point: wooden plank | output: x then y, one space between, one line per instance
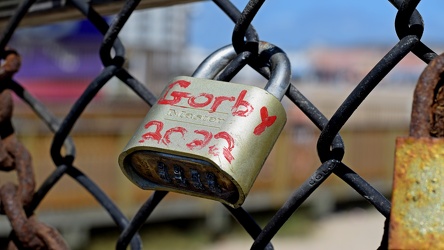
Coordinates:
52 11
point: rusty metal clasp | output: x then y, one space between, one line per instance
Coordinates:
28 232
416 220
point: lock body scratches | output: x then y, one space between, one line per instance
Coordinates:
204 138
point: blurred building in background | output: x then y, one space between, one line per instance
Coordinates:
155 41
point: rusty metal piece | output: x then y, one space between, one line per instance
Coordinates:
11 64
428 102
416 219
24 231
437 129
25 172
13 155
50 236
28 232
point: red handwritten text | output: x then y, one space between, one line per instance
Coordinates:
153 135
240 107
177 96
267 121
199 144
226 150
194 144
166 138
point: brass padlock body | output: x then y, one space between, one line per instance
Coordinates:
204 138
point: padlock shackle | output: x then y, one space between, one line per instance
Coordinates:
424 98
274 57
215 63
280 69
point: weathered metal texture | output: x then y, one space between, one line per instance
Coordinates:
428 102
28 232
417 217
205 138
437 128
210 138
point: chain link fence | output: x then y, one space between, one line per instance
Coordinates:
19 202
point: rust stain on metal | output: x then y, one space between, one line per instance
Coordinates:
13 155
29 232
417 215
428 102
437 123
24 231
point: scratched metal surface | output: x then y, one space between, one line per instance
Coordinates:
218 132
416 218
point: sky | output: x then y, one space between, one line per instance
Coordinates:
294 25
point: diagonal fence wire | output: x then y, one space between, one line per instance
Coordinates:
408 26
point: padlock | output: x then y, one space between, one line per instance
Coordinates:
210 138
417 214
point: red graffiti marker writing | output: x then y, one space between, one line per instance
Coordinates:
218 101
199 144
194 104
241 107
166 138
153 135
267 121
226 150
177 95
194 144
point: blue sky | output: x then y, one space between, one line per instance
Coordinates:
300 24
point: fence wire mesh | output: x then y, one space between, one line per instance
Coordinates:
330 147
